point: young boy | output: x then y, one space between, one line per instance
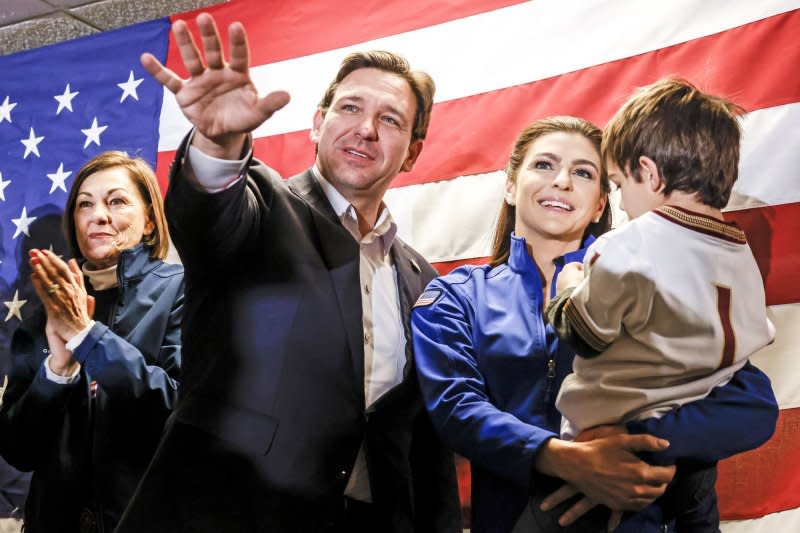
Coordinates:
672 303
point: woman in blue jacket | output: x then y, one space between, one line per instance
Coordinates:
490 368
87 399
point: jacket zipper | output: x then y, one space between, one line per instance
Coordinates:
551 376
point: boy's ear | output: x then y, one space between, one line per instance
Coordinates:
648 170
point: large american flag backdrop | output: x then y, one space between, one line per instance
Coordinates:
498 65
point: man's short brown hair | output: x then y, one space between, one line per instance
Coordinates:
692 136
421 83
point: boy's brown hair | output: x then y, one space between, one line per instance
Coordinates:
692 136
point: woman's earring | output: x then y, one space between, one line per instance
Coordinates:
510 198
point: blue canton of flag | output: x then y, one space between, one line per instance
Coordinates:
59 106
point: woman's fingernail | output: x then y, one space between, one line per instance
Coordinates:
35 260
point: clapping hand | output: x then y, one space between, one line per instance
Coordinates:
69 308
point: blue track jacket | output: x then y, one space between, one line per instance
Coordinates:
490 371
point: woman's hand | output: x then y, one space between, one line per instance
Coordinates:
60 288
61 361
605 469
567 490
570 276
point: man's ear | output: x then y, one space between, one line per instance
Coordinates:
319 117
414 149
648 170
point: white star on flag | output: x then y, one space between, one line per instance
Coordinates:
65 100
93 133
129 88
14 307
58 178
3 185
52 251
22 223
32 144
5 110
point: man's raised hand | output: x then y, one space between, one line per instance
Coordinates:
219 98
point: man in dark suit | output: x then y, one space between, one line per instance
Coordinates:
298 409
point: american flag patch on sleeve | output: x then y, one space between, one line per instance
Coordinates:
428 297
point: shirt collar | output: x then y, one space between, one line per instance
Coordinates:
385 228
520 261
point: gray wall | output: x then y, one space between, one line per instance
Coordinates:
26 24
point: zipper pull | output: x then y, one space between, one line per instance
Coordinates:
551 374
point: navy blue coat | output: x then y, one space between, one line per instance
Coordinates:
88 453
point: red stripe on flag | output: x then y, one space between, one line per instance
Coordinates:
772 234
293 29
494 119
765 480
163 162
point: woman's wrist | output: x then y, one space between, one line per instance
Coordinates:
73 341
555 457
63 368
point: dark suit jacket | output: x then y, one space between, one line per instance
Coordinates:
273 377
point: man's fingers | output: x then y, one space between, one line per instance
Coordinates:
162 74
583 506
187 48
562 494
90 306
273 102
240 50
212 44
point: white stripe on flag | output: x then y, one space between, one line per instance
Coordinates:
462 55
454 219
779 359
783 522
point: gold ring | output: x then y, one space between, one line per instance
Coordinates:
53 288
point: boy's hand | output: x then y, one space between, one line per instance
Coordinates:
571 276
